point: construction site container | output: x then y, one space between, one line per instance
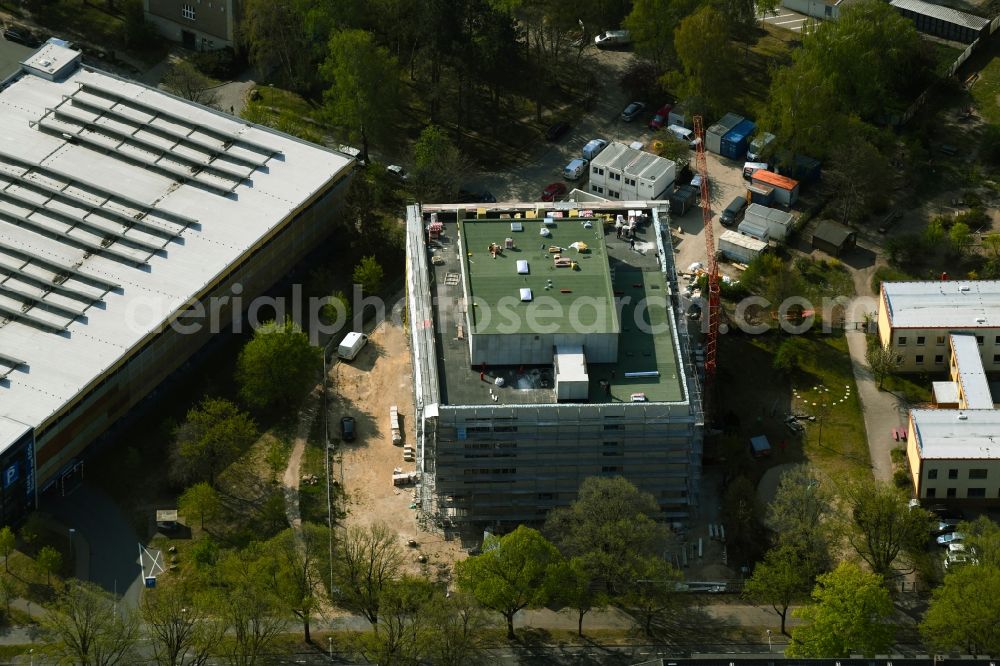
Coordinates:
736 140
714 134
760 194
759 146
737 247
679 116
786 190
754 229
683 199
778 222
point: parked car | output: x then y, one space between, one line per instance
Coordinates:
612 38
732 213
594 148
553 191
347 428
945 513
555 131
467 196
952 559
660 119
950 538
397 171
632 111
575 169
20 37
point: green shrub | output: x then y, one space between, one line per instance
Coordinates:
887 274
901 477
898 455
205 552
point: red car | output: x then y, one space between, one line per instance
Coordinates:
553 191
660 119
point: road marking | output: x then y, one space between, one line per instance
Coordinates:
791 21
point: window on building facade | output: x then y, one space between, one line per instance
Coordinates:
901 341
996 358
979 339
977 473
932 473
939 359
940 340
932 492
952 473
976 492
920 359
187 11
920 340
951 492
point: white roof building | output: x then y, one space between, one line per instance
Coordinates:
625 173
119 206
943 303
968 374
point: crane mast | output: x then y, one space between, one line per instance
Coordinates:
712 265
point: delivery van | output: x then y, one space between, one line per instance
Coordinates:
682 133
351 345
575 169
593 148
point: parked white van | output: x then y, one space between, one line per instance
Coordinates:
351 345
682 133
593 148
575 169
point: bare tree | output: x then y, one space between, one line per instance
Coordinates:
85 626
185 80
883 361
249 605
299 556
367 559
179 627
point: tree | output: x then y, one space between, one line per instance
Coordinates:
86 626
742 516
179 626
402 634
50 561
438 166
609 525
212 436
706 56
883 361
983 535
200 500
798 109
882 526
991 241
800 515
851 613
959 237
278 366
572 581
791 354
336 310
457 625
652 591
367 559
364 90
854 177
184 79
7 543
248 605
511 574
779 580
369 274
674 149
299 556
652 24
962 615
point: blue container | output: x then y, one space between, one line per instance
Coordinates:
735 142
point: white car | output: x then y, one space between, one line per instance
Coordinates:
950 538
397 171
612 38
957 559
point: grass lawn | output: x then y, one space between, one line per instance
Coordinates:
914 388
986 89
761 397
824 278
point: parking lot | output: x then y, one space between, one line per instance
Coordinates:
789 20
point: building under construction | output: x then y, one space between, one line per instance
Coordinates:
548 348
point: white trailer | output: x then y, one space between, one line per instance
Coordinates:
777 222
737 247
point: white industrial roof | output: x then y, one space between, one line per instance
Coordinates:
634 162
764 213
945 393
952 434
571 364
971 374
943 304
946 14
102 238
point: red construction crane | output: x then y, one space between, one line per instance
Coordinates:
712 266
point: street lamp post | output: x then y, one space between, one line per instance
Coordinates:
72 548
330 639
769 640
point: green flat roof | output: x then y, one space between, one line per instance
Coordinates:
642 348
578 300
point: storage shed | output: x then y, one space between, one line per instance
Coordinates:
833 238
777 222
786 190
941 21
679 116
754 229
737 140
683 199
714 134
738 247
760 194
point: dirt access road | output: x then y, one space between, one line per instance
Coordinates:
365 388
